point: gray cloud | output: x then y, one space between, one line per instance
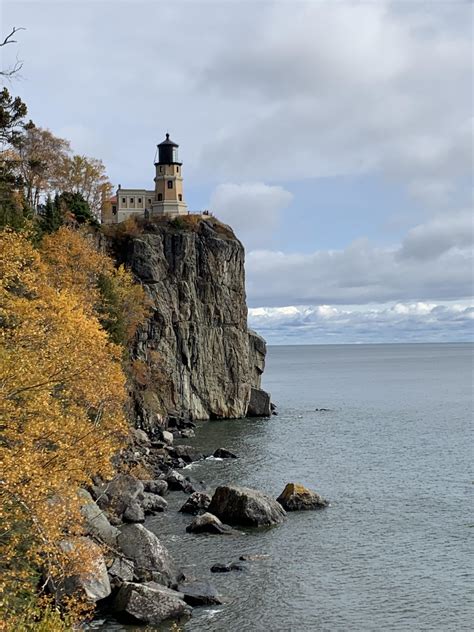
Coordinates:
253 209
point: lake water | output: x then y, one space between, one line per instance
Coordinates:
393 454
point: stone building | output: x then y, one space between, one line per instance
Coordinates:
166 198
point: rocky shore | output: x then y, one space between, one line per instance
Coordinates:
136 579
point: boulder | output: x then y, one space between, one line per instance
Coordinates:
95 521
187 433
186 453
222 453
167 437
197 503
200 594
125 492
134 512
245 506
152 503
177 481
151 559
259 403
149 603
94 583
140 436
158 486
121 570
296 497
207 523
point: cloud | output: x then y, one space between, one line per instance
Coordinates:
253 209
401 322
434 262
344 88
439 235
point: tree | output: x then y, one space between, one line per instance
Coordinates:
62 396
50 214
17 66
87 176
75 205
40 155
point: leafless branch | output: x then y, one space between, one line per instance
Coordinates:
18 65
8 39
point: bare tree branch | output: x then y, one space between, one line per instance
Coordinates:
18 65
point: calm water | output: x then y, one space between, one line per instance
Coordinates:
393 455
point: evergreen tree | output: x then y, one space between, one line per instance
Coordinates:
75 204
51 215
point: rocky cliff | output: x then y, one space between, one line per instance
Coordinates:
195 356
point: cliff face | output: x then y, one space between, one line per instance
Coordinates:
195 356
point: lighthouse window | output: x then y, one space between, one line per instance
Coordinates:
170 184
139 200
149 200
161 169
160 197
132 201
177 169
180 197
124 201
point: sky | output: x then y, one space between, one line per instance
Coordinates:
335 137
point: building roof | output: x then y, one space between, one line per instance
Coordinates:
168 141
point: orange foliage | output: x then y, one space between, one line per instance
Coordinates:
62 396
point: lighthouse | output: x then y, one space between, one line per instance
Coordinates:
169 197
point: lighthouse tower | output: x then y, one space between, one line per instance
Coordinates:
169 198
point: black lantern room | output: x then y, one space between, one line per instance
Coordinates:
168 152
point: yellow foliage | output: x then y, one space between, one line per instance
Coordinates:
62 396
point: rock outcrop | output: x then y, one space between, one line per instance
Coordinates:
246 507
195 355
149 603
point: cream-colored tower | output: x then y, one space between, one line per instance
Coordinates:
169 197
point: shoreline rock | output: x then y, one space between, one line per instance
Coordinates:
296 497
245 506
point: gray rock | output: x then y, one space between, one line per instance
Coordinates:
187 433
207 523
185 452
167 437
151 559
259 404
134 512
149 603
206 359
296 497
222 453
95 521
124 492
177 481
197 503
140 436
93 584
245 506
158 486
152 503
200 594
121 569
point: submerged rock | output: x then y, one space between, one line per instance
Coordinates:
226 568
200 594
296 497
152 560
207 523
149 603
245 506
222 453
197 503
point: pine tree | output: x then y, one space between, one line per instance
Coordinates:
51 215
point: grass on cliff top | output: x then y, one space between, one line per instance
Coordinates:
134 226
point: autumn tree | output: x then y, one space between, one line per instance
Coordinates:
87 177
62 392
40 155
